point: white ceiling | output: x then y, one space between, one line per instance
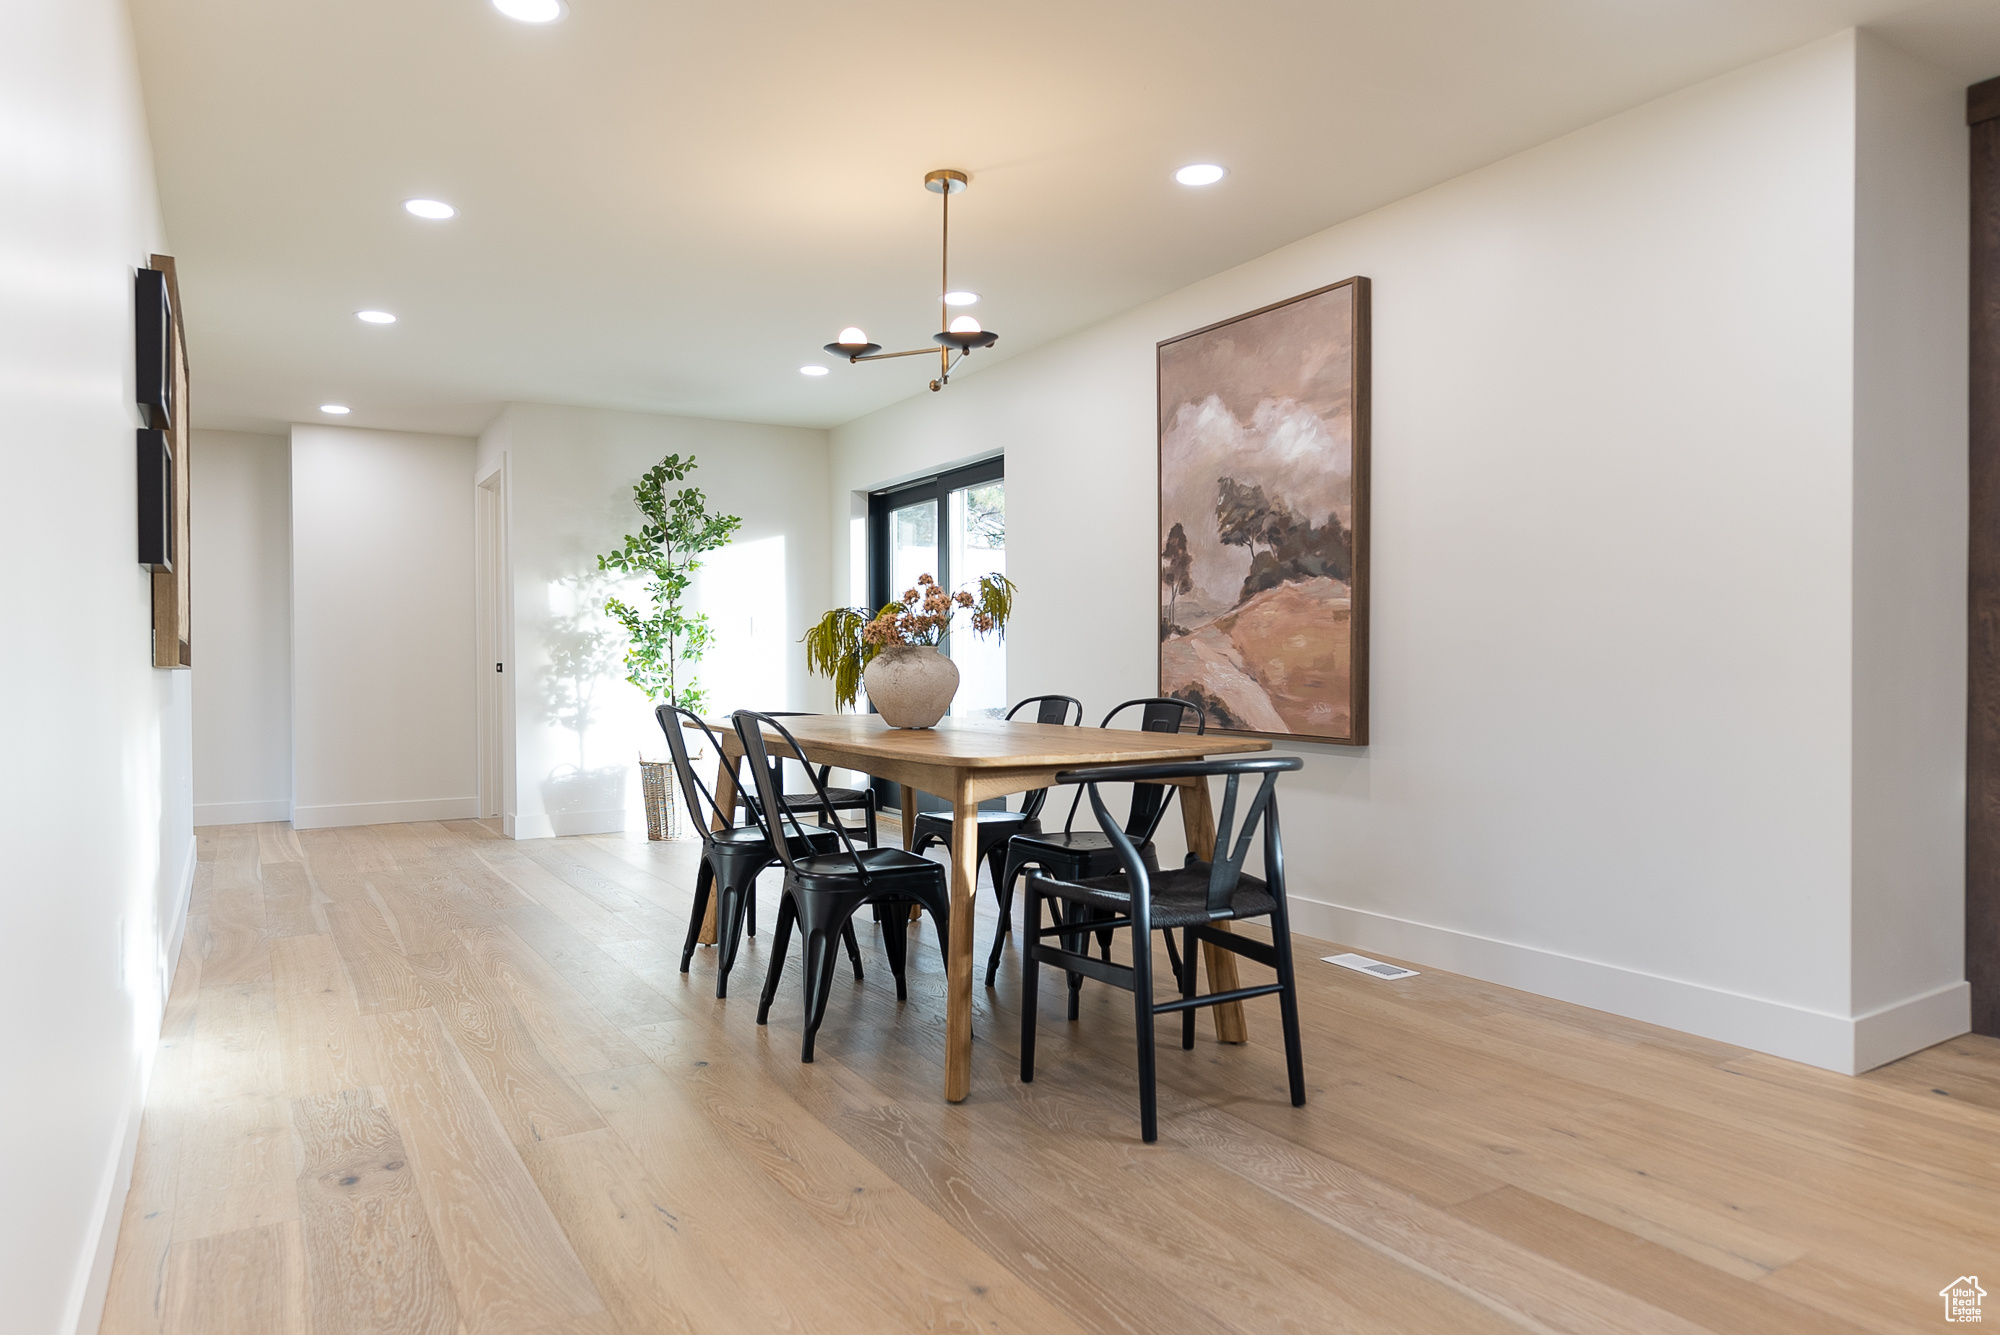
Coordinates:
670 206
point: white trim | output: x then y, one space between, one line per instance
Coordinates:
1847 1044
553 825
96 1279
385 813
242 813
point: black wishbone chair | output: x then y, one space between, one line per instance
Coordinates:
1076 855
1147 900
823 890
731 857
997 827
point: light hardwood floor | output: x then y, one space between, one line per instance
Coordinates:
419 1079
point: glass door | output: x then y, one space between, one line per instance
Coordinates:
953 527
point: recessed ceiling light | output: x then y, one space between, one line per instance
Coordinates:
812 370
375 317
1201 173
532 11
435 209
337 409
961 298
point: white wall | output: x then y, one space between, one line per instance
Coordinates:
382 621
578 725
1631 681
1910 514
242 605
94 797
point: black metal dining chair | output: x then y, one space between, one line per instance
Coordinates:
997 827
1075 855
824 801
823 890
1141 897
731 857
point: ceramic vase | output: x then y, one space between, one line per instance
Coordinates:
911 685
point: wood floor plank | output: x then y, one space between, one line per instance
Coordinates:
250 1282
236 1157
373 1260
1704 1295
580 1036
325 1048
385 979
511 1267
593 1144
602 981
523 1084
652 1277
136 1300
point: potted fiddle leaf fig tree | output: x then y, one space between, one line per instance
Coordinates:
667 641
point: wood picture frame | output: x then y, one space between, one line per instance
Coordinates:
172 587
1262 427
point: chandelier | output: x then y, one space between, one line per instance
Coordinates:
960 335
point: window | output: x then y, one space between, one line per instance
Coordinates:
952 526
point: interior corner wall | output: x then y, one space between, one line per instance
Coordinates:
1910 541
577 725
382 627
1614 543
243 617
95 799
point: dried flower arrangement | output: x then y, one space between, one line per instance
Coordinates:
847 638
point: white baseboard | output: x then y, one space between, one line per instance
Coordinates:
544 825
242 813
95 1282
1847 1044
384 813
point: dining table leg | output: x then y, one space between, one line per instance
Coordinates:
907 816
725 806
1198 819
958 948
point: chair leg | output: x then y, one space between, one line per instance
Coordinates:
704 878
1031 978
1003 888
1142 1002
1184 968
1288 1004
869 824
781 940
895 943
821 946
1173 956
853 949
750 912
731 907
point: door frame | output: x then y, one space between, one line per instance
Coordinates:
490 635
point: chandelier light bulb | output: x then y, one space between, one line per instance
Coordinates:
852 337
965 324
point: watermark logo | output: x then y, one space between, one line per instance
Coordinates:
1961 1298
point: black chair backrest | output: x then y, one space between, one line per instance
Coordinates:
1225 869
702 807
771 812
1149 801
1063 710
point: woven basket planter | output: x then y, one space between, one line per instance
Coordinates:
664 817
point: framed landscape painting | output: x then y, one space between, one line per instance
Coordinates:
1264 518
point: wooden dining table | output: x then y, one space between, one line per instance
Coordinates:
966 762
